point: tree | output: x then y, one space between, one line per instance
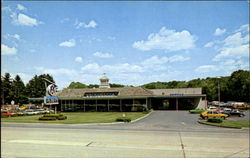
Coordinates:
113 85
18 91
36 86
77 85
239 86
6 86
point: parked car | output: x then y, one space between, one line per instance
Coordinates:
9 113
20 113
212 108
30 112
41 111
207 114
235 112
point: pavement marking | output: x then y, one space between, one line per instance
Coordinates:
48 142
182 146
183 123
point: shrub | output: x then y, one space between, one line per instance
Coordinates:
146 112
62 117
196 111
215 120
47 118
123 119
53 117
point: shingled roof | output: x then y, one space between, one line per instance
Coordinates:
125 91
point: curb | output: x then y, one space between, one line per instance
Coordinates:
201 122
142 117
85 124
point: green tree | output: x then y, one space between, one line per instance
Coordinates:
6 85
77 85
18 91
113 85
239 86
36 86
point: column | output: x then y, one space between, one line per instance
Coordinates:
120 105
84 106
176 104
96 105
108 104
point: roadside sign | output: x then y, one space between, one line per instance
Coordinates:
49 100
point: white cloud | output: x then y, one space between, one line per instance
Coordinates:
219 32
209 44
78 59
114 69
176 58
22 19
7 50
155 60
206 68
91 24
243 28
236 40
70 43
103 55
233 52
168 40
20 7
15 36
226 66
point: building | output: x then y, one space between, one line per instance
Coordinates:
105 98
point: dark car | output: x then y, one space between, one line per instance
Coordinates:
235 112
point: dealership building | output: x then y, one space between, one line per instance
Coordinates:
105 98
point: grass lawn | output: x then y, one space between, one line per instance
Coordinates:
78 117
227 123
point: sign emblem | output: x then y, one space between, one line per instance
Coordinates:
51 89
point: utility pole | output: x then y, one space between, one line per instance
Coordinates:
219 89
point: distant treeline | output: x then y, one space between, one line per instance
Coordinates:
232 88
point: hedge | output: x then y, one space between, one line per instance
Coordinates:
215 120
123 119
47 118
53 117
196 111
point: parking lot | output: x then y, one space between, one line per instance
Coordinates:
162 134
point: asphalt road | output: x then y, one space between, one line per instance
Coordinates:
180 121
160 135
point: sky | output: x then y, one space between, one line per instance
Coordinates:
133 42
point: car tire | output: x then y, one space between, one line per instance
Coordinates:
206 118
223 117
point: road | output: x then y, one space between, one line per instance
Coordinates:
161 134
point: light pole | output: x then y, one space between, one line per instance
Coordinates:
219 89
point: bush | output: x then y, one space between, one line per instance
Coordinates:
53 117
47 118
215 120
62 117
196 111
146 112
123 119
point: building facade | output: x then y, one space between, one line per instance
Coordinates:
105 98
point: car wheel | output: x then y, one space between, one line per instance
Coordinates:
223 118
206 118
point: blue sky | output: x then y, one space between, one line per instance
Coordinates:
132 42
